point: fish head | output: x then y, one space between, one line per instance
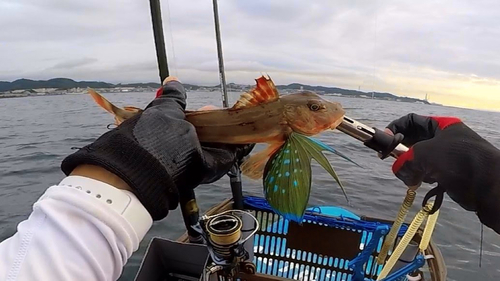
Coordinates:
309 114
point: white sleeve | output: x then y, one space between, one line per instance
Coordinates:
81 229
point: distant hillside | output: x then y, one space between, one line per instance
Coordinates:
136 85
65 83
61 83
328 90
345 92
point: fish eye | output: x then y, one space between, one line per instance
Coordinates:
314 106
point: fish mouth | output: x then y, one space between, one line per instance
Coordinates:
337 122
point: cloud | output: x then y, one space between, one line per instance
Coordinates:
74 63
449 47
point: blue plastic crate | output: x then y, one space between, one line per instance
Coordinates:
286 249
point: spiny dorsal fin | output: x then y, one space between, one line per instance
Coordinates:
264 92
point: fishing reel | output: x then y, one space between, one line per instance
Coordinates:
224 238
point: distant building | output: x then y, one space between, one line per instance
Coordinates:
45 90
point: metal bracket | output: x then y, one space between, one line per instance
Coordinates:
373 138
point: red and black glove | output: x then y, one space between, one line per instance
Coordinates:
445 151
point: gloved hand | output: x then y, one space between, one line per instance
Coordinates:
446 151
157 153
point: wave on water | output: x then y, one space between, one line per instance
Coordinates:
33 171
32 147
80 140
26 146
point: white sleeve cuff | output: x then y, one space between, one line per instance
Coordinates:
122 201
81 229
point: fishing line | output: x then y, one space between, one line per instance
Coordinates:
170 36
374 49
481 247
257 225
375 46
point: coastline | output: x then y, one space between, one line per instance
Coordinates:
80 91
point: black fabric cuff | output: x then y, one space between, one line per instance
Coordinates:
118 152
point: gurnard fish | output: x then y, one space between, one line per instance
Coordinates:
284 122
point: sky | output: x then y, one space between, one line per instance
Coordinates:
447 49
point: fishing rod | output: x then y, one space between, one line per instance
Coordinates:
187 199
222 74
235 173
161 53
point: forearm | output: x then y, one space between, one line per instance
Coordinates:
75 235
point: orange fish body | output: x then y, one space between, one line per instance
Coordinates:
259 116
262 123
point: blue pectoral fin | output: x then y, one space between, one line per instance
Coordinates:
333 150
287 175
287 180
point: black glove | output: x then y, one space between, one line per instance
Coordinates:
157 153
446 151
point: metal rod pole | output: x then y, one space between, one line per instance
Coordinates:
161 54
189 207
235 173
225 102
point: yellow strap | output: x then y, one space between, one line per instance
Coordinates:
391 236
428 230
412 229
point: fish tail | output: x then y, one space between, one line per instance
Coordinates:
119 113
103 102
